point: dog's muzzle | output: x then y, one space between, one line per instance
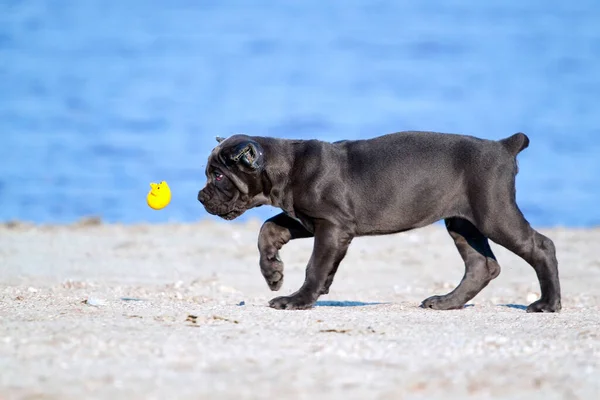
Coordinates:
203 197
224 211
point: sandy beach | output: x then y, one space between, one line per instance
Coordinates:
179 311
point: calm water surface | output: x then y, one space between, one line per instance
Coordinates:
98 98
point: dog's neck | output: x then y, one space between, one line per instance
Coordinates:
280 157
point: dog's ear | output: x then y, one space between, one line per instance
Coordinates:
250 154
220 139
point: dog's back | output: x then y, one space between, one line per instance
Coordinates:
410 179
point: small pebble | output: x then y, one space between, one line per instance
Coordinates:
94 302
531 297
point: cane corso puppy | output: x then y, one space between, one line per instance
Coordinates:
337 191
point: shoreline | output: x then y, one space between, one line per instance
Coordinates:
95 221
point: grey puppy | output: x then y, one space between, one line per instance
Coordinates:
337 191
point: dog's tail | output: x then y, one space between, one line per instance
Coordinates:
515 143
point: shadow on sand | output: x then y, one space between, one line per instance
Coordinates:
333 303
517 306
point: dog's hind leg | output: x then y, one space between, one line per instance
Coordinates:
497 215
510 229
274 233
480 265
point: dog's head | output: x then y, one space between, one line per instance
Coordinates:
234 173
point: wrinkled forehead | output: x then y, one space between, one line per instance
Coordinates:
214 154
213 157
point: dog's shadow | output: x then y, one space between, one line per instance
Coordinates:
516 306
348 303
335 303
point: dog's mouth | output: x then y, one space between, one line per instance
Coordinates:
233 214
226 211
222 212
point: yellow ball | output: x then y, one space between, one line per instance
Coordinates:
159 196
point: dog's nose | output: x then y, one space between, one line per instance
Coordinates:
202 196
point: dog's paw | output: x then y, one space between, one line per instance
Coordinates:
441 303
544 306
294 302
274 280
272 271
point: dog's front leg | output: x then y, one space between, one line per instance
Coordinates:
274 233
331 244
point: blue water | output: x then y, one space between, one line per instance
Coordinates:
98 97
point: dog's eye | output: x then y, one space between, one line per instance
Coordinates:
218 176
